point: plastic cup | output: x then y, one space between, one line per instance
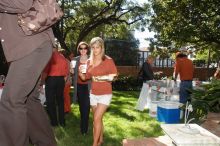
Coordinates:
83 68
73 63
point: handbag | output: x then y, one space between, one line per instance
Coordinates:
42 15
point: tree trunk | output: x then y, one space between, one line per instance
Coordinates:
208 63
59 36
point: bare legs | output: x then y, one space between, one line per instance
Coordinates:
98 112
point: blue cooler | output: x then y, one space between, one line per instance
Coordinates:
168 112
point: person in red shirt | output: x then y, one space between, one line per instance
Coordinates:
102 70
68 83
81 88
184 67
56 72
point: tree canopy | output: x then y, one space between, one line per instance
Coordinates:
184 22
86 18
123 51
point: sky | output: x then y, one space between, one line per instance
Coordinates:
143 35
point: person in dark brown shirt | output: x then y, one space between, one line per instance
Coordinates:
23 118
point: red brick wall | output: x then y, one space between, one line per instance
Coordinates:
201 73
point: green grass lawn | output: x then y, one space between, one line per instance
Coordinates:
120 121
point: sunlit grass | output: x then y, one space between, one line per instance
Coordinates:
121 121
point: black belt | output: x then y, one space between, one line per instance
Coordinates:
187 80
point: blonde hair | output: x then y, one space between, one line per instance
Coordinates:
100 42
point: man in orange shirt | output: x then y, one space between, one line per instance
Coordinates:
184 67
56 71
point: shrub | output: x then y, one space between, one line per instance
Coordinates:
206 99
126 83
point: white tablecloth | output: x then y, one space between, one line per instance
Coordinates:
157 90
143 100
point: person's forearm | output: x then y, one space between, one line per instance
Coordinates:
175 76
216 73
82 76
108 78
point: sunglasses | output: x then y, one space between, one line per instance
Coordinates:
83 48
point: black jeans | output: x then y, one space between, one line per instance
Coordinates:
54 98
84 106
